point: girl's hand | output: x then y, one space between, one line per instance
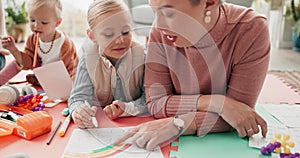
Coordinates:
115 109
82 116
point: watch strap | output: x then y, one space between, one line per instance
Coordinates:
179 128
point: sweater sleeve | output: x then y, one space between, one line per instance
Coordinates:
136 107
83 88
208 122
28 53
160 98
250 62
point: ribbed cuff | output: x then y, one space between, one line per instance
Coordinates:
72 106
180 104
129 110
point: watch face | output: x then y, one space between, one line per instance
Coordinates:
178 122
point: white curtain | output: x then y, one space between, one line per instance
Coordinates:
2 19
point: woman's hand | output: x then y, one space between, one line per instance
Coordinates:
243 118
82 115
239 115
115 109
151 134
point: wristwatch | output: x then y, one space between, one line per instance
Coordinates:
179 123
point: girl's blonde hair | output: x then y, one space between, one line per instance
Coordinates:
31 4
100 7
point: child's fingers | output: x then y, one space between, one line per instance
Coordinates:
94 110
116 111
79 123
120 104
82 116
7 40
114 108
107 110
84 111
116 102
77 120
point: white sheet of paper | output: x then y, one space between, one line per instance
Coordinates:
287 114
55 80
257 141
287 118
84 142
52 103
20 77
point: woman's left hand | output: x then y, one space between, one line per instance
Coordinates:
151 134
243 118
237 114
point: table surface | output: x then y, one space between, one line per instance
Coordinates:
274 91
228 144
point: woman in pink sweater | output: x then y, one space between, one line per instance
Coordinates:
206 64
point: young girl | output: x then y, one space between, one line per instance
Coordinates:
111 71
53 45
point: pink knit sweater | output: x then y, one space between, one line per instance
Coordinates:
231 60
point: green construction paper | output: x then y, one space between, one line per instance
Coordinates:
215 145
219 145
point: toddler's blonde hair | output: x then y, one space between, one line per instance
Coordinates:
100 7
32 4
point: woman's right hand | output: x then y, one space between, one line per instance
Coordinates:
82 115
150 135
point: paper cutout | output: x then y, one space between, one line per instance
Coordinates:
57 87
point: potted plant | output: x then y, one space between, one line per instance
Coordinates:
293 11
16 20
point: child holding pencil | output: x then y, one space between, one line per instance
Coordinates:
110 73
53 44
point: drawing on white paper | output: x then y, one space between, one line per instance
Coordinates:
97 142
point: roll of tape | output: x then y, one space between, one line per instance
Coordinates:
9 95
28 90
